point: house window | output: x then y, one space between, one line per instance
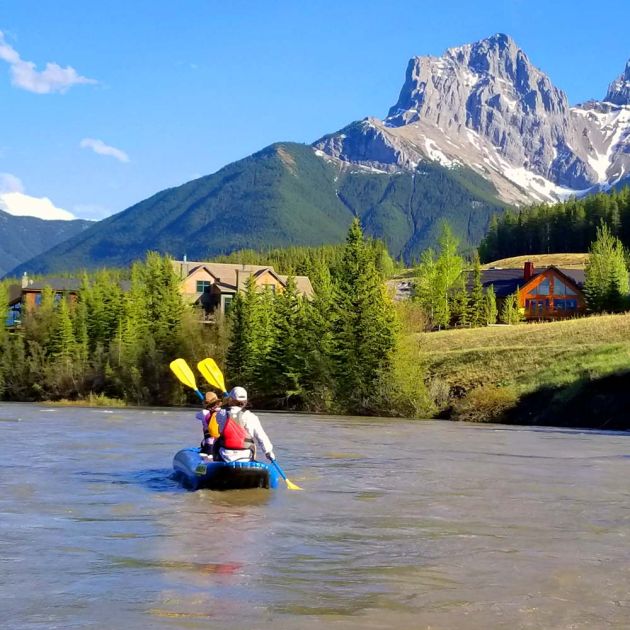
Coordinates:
202 284
542 288
13 315
560 288
227 304
38 299
269 287
58 296
565 305
536 307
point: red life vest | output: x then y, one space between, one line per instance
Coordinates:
235 437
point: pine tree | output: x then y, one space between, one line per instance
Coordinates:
319 315
248 338
460 304
4 305
490 306
510 312
62 341
286 359
365 325
477 298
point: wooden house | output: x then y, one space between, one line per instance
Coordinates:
212 286
546 294
28 295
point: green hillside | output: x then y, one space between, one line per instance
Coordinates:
284 195
22 238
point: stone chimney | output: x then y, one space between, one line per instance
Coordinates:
24 280
528 270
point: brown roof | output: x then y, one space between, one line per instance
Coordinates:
507 281
230 276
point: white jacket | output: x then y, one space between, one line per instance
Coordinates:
250 422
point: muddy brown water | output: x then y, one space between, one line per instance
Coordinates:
401 524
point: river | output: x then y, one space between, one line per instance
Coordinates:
401 524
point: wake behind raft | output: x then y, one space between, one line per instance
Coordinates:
194 471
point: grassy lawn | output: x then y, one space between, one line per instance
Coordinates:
575 261
529 356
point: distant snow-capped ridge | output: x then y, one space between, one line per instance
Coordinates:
22 205
485 106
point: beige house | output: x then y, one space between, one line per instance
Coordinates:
213 285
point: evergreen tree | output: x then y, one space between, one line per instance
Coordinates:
460 304
365 326
510 312
319 315
490 307
477 298
286 359
248 338
62 341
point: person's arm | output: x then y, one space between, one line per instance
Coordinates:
258 433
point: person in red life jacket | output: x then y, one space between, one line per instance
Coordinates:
239 431
207 417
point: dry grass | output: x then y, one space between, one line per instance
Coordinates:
567 261
528 356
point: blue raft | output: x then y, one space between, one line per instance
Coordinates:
195 471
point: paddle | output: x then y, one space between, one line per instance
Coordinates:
212 373
290 484
183 372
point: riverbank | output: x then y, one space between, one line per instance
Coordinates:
570 373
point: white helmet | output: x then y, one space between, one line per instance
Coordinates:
239 394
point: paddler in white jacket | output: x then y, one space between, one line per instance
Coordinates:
239 430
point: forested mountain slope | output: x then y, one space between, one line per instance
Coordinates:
284 195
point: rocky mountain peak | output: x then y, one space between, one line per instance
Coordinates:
484 105
619 90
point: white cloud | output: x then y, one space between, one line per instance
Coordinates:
15 201
25 75
98 146
20 205
10 183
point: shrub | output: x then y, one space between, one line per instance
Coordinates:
487 403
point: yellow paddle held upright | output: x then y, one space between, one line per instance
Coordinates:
212 373
182 371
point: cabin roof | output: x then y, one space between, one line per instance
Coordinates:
507 281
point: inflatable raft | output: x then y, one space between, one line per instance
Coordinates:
194 470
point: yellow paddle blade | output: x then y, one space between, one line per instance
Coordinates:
292 486
182 371
212 373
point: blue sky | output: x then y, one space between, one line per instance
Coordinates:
148 94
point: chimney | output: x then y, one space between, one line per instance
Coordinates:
528 270
25 280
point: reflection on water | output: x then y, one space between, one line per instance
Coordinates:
401 524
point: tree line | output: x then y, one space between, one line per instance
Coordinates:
570 226
303 260
337 352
